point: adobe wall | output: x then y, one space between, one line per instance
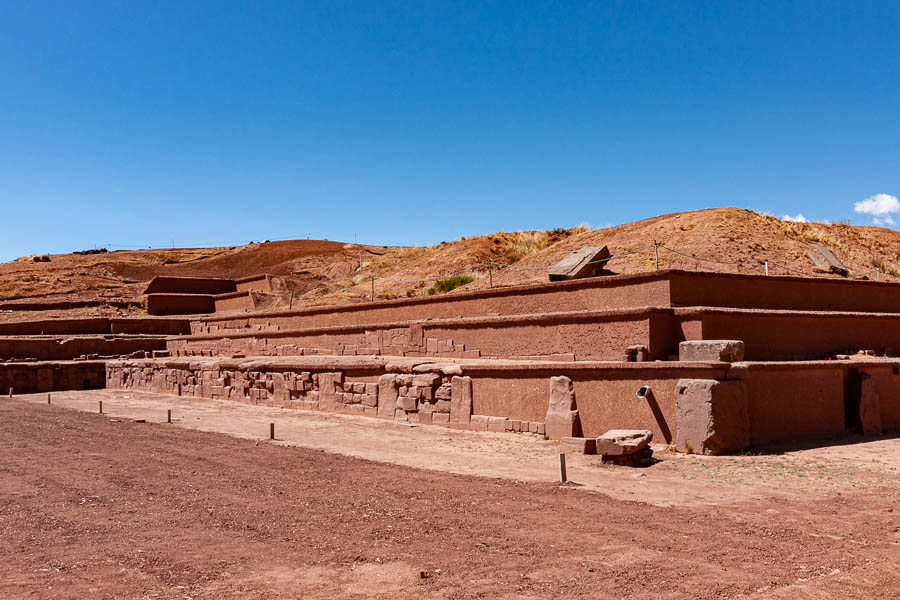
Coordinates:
260 283
36 377
150 326
55 326
771 335
691 288
612 292
235 301
599 335
97 326
190 285
67 348
179 304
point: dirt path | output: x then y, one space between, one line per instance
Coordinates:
98 506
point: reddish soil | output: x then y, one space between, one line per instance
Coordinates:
324 272
101 507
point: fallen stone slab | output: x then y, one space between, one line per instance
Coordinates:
622 442
711 351
826 261
585 262
578 445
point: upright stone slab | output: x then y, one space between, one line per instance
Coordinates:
460 400
585 262
712 416
562 416
387 396
870 407
327 390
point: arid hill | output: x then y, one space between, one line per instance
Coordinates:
323 272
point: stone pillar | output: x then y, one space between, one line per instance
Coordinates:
327 391
562 416
712 416
461 400
387 396
870 406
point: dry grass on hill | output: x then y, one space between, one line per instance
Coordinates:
324 272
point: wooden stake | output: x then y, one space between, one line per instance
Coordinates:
101 407
656 249
271 431
48 398
491 274
373 288
562 467
169 416
10 392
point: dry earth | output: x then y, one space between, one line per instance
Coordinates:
326 272
99 506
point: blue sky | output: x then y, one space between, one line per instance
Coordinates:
152 123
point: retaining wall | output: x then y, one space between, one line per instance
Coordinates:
67 348
35 377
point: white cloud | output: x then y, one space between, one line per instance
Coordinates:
878 205
798 218
883 221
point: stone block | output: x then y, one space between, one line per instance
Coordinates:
588 261
407 403
476 422
425 417
497 424
443 406
870 407
622 442
578 445
387 396
400 415
562 416
439 418
460 399
426 379
444 392
712 416
711 351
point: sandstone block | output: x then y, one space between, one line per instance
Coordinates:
621 442
711 351
387 396
497 424
476 422
712 416
425 417
870 407
444 392
584 262
443 406
440 418
579 445
426 380
562 416
460 399
407 403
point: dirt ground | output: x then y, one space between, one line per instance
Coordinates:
101 506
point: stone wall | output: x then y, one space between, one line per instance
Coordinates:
30 378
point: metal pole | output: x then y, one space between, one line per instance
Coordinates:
767 268
271 431
373 288
655 249
562 467
877 274
169 416
101 407
491 274
48 398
